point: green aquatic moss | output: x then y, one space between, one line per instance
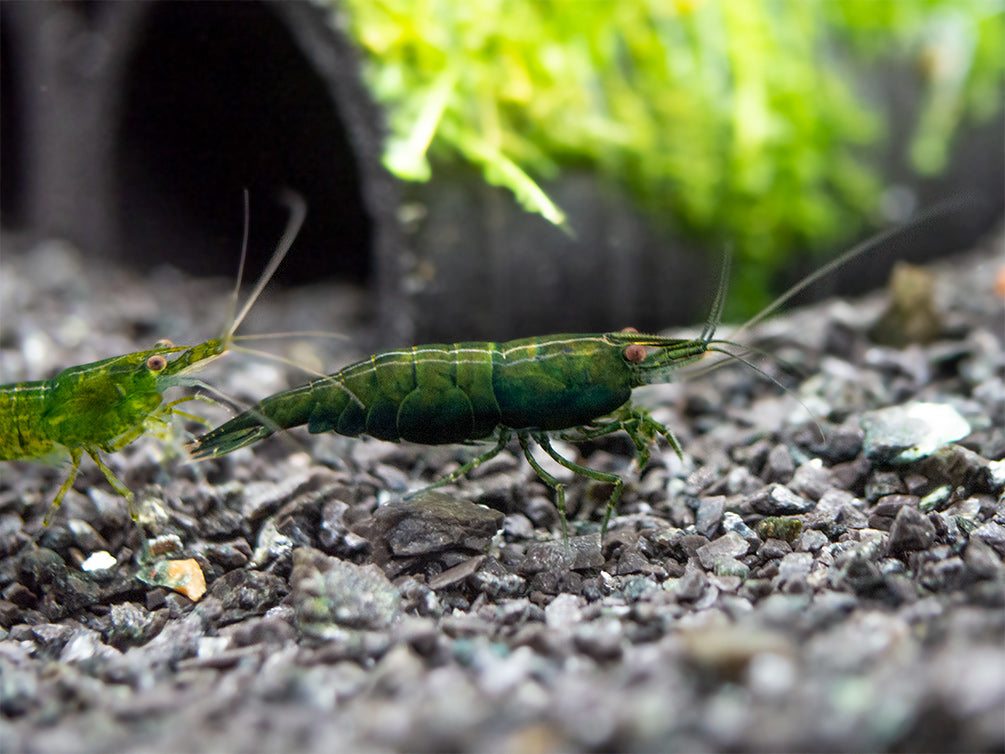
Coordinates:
756 123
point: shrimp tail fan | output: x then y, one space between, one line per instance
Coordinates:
237 433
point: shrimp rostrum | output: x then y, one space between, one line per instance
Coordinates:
104 406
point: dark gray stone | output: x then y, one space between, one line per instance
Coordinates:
778 500
779 465
729 545
811 480
578 553
911 531
709 516
331 596
431 523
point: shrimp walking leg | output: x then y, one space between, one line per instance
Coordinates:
638 424
599 476
474 463
548 479
75 457
169 408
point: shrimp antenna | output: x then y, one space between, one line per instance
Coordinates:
294 334
281 360
740 357
232 309
870 244
298 211
715 315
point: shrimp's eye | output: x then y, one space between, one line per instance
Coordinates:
635 353
156 363
163 343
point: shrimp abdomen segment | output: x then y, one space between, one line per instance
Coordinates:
432 394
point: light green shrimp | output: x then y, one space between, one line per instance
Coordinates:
104 406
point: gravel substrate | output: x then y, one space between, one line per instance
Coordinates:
778 589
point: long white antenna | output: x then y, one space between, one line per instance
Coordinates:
942 208
298 211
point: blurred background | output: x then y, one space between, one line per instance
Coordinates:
499 169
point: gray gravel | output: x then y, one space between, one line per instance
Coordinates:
778 589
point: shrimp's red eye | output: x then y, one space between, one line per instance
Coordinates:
635 353
156 363
163 343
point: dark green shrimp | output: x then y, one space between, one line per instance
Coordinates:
533 388
574 387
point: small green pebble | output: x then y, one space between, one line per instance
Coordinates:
779 527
